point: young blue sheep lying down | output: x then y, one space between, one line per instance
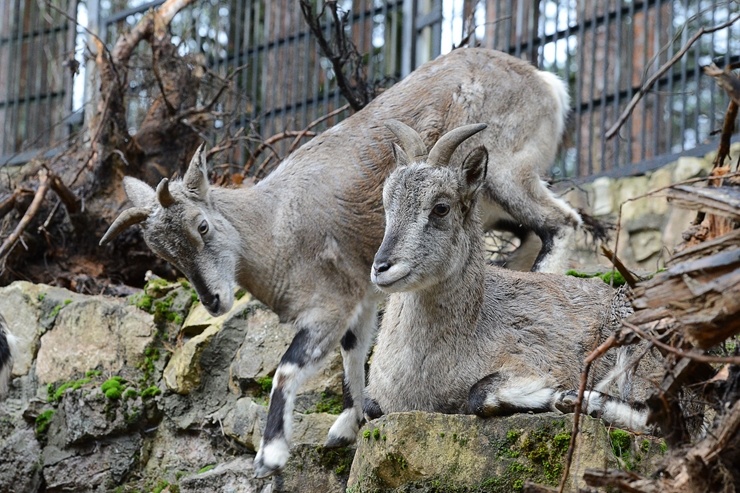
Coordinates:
461 336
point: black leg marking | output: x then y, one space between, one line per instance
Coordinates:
347 401
478 393
349 340
546 236
4 344
275 426
297 352
371 408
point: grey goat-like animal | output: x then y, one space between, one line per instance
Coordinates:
303 239
460 336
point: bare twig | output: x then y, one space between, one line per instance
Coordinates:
38 198
304 132
661 71
702 358
596 353
629 278
267 144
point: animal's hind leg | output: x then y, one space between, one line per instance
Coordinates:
313 341
615 411
528 201
498 394
354 344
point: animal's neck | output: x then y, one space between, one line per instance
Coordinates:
455 303
246 212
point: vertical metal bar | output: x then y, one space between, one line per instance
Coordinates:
579 92
591 96
28 70
645 100
496 42
711 113
671 73
630 76
698 78
14 81
657 111
616 161
508 30
606 89
684 111
408 57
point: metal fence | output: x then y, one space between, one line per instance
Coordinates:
37 66
603 49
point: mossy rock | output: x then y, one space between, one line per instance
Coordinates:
427 452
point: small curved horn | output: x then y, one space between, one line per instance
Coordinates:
127 218
411 142
446 145
163 193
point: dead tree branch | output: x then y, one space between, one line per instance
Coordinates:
346 61
648 85
31 212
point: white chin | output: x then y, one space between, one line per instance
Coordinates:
391 280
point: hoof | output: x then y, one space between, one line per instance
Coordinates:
566 403
263 471
337 442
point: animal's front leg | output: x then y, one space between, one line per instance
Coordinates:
304 355
355 344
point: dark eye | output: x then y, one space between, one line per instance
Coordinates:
203 227
440 210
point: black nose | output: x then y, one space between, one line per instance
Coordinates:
382 266
212 302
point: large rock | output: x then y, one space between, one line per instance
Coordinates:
92 333
245 423
258 357
20 464
98 466
236 476
87 414
30 310
172 452
425 452
313 468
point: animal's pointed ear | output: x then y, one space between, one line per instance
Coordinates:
474 169
196 177
139 193
402 159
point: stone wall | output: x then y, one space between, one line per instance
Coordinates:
650 226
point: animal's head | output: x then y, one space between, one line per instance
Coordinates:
180 224
428 207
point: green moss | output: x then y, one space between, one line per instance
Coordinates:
610 277
43 421
663 447
512 436
55 394
150 392
376 433
142 301
367 434
161 486
206 468
130 394
621 442
240 294
113 387
645 446
93 373
265 385
41 296
329 403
